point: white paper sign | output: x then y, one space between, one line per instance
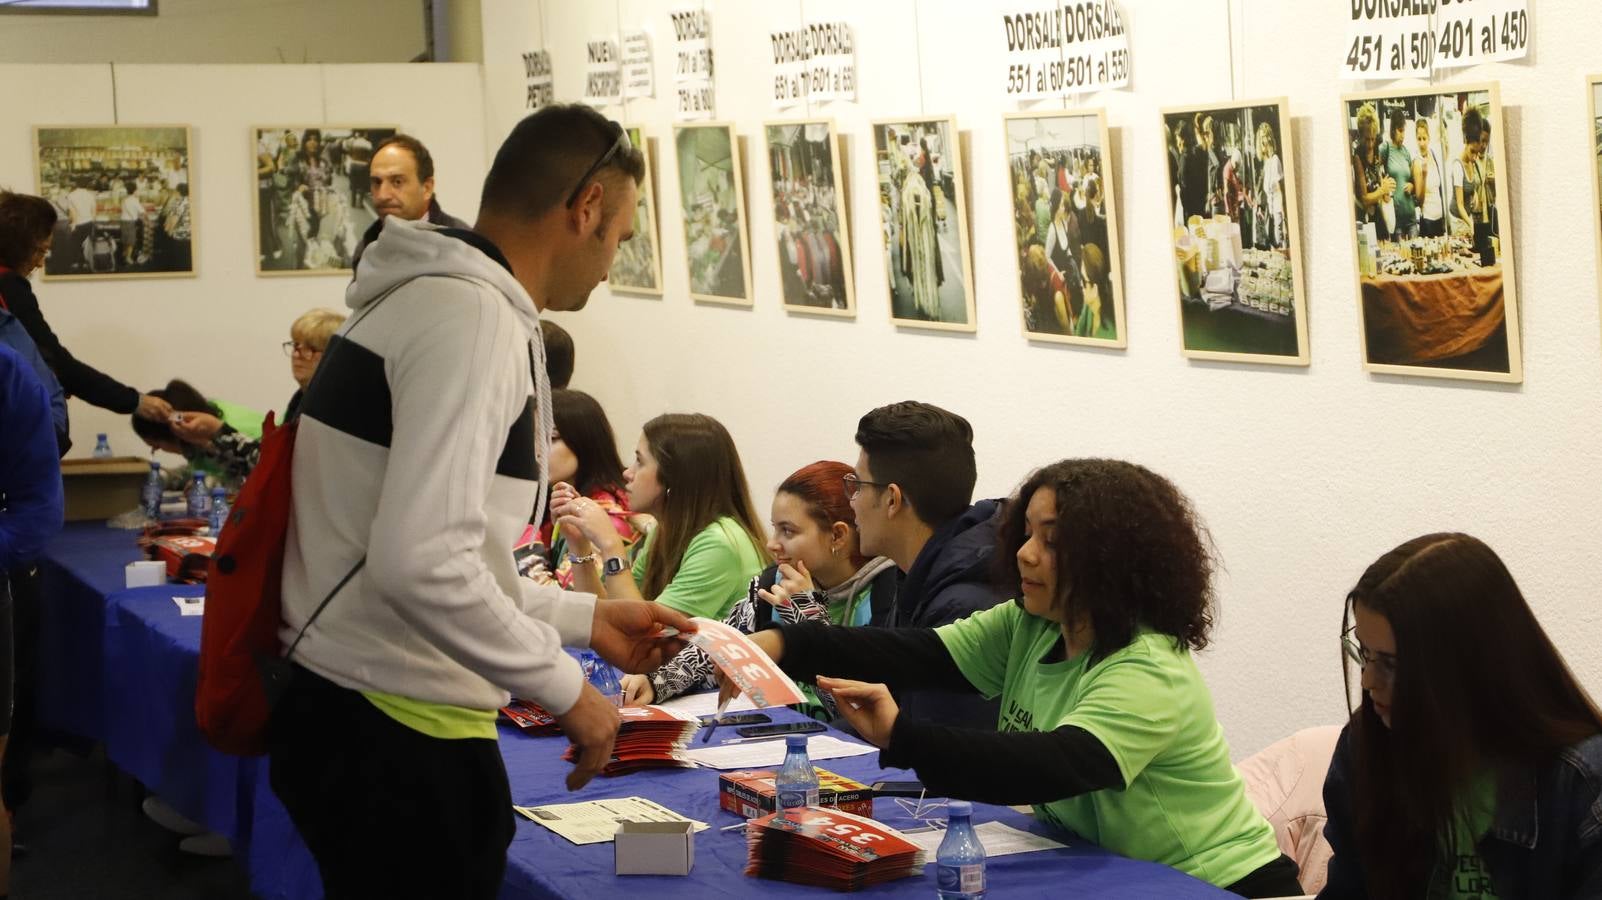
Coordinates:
537 67
603 72
638 78
813 62
1470 32
692 67
1388 39
1066 48
791 77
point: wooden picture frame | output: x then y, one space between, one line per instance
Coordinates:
86 171
916 301
716 198
812 233
637 267
326 223
1237 257
1484 316
1052 282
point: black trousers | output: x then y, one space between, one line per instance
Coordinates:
388 811
1277 879
21 672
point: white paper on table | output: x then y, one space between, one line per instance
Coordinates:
190 606
767 754
704 704
998 840
596 821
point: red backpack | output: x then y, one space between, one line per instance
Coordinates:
243 667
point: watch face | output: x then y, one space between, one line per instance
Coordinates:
614 565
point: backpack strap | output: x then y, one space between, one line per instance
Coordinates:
324 605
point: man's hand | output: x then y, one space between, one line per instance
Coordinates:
154 408
627 633
868 707
591 725
771 642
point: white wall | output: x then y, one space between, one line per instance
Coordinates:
223 31
221 330
1305 475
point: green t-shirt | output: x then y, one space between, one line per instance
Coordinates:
1183 804
242 419
716 571
1466 877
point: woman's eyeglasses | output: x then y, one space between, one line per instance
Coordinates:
295 348
1384 663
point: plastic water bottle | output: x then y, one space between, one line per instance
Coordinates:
797 784
199 500
102 447
219 510
601 674
960 861
150 494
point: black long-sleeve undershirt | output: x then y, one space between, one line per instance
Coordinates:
1006 767
78 379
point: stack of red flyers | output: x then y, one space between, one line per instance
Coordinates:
650 737
531 718
828 848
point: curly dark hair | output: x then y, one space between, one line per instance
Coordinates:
1130 552
25 221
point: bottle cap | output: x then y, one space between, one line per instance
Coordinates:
795 742
101 436
959 808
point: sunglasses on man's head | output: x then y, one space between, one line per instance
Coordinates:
620 144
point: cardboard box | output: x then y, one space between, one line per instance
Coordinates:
102 488
654 848
751 794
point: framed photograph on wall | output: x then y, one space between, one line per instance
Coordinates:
1231 200
313 199
814 243
1065 225
712 199
637 268
122 197
1593 95
1432 232
924 219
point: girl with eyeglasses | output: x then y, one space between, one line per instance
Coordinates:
1472 767
1106 724
818 575
708 539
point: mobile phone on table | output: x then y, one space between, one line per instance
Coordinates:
898 788
780 729
741 718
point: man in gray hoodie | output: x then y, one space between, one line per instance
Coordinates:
422 450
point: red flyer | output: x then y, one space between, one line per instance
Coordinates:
744 663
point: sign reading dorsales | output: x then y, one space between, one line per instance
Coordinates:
814 62
692 67
537 69
1065 48
1412 38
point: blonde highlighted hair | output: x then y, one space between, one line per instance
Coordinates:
315 327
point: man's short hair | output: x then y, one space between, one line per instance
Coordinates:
540 163
560 354
926 450
425 161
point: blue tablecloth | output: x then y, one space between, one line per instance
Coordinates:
121 669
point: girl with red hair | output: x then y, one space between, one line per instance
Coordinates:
818 574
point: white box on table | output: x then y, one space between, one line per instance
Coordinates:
654 848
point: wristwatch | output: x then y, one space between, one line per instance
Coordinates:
613 565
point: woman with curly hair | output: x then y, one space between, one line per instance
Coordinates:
1107 727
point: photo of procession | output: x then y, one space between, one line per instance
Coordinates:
313 196
637 268
712 199
1068 272
122 201
923 212
1237 254
808 213
1432 233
